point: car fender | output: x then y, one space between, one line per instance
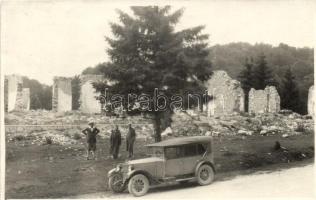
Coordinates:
112 172
134 172
202 163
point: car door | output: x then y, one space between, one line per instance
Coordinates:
174 162
190 159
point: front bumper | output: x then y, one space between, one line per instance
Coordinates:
114 171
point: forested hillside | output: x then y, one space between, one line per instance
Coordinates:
232 58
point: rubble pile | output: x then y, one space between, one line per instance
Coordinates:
264 124
65 128
44 117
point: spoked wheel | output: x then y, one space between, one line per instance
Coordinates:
138 185
116 183
205 175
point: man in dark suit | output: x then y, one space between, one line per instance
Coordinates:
115 141
130 139
91 133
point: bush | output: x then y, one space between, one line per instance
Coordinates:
66 134
77 136
19 137
48 140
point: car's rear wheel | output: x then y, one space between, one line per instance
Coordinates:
205 175
138 185
116 183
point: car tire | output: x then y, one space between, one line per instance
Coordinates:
138 185
116 183
205 175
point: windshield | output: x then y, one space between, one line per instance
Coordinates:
155 152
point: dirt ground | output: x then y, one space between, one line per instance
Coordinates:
55 171
296 183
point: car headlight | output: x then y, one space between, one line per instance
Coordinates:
130 168
118 168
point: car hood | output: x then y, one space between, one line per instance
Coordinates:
145 160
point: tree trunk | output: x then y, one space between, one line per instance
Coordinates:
157 127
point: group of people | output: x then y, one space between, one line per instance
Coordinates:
115 140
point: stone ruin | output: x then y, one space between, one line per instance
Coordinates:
15 96
23 100
88 101
262 101
227 95
62 94
310 104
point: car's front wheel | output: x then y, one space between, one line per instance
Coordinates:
116 183
205 175
138 185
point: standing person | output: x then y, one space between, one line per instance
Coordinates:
91 133
130 139
115 140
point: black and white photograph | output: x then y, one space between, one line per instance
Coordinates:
161 99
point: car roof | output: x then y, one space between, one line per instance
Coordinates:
181 141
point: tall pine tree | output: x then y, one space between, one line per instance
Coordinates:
147 53
246 79
262 74
290 95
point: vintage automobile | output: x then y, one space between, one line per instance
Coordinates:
175 160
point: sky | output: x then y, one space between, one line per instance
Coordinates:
61 38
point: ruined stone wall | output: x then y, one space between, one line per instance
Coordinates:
228 96
26 98
310 104
273 99
88 101
258 101
62 95
23 99
13 90
262 101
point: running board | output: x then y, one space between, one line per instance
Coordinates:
186 179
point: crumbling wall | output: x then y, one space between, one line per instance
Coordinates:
13 89
62 95
258 101
310 104
262 101
88 101
273 99
23 99
26 98
227 95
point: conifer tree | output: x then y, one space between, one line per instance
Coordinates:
290 95
147 52
246 79
262 74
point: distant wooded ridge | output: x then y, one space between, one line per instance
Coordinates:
231 58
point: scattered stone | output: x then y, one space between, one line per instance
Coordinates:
285 112
167 132
285 135
245 133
